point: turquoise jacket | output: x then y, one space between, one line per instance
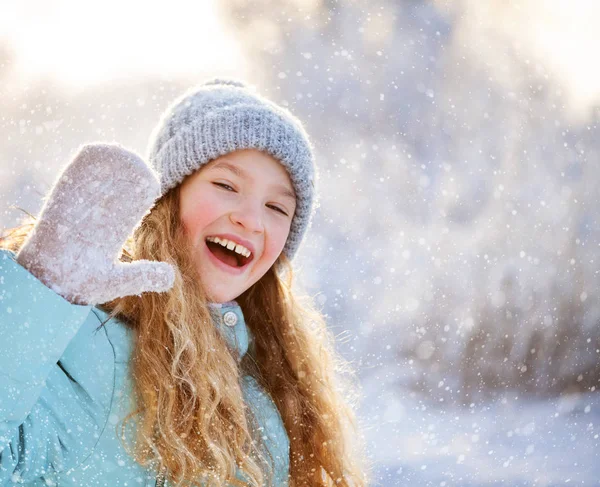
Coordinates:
64 386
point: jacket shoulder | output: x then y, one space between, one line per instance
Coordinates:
119 334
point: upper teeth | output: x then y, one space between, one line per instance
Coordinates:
240 249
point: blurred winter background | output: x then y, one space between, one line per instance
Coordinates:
456 249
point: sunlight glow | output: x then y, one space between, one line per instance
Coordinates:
559 36
566 35
83 43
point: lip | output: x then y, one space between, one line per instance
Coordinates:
221 265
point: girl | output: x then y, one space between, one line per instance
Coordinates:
179 355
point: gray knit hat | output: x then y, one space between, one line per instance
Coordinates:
221 116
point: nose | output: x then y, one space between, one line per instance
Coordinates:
248 216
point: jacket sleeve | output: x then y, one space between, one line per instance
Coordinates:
56 378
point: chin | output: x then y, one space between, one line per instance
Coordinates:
223 296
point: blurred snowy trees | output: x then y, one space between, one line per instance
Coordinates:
457 234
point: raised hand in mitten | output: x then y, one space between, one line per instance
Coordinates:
96 203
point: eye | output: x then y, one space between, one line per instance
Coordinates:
276 208
224 186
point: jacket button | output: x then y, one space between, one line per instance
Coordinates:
230 318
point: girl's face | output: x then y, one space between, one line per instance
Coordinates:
237 212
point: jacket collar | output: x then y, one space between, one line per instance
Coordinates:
229 320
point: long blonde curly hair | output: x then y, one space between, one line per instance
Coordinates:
190 418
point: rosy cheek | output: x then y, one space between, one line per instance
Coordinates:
203 211
276 244
195 219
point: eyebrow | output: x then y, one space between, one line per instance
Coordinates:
223 164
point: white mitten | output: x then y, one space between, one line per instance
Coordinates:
96 203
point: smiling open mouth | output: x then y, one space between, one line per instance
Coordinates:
229 252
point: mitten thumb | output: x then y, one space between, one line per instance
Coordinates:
136 278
